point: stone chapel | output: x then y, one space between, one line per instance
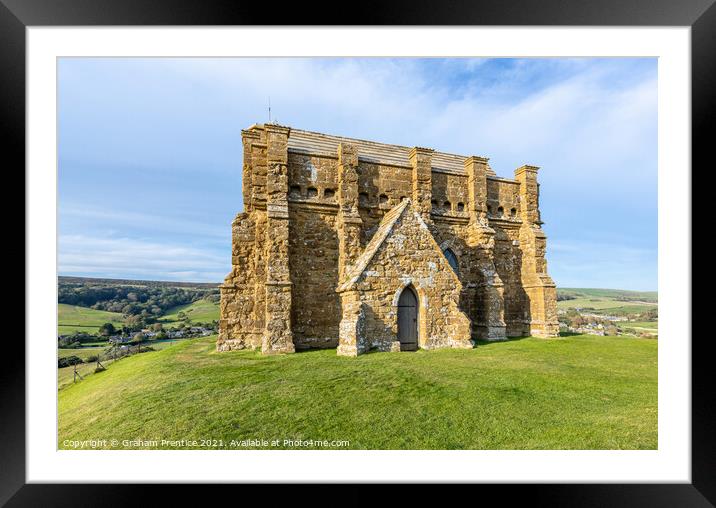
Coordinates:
363 246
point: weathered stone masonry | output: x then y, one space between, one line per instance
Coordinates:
334 230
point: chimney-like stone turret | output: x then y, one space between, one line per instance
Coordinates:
277 336
421 160
349 223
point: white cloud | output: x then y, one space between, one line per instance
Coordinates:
134 258
592 129
584 119
602 265
136 220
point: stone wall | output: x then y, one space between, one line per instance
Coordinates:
312 210
313 257
238 327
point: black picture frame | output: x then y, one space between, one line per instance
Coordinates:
700 15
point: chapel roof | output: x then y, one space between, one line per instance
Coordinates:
308 142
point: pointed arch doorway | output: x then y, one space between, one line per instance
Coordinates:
408 320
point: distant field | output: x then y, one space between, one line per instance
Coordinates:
651 325
200 311
73 319
82 353
646 327
608 301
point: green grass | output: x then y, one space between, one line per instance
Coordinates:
201 311
579 392
73 319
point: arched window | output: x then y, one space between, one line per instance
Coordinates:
312 192
452 259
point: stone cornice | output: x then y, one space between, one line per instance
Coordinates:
331 208
274 127
250 133
526 168
476 159
420 150
452 219
505 223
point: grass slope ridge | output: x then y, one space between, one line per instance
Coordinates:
200 311
579 392
73 318
646 296
135 282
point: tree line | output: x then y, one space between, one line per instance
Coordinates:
143 301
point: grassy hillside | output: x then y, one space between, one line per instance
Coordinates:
580 392
65 375
72 319
200 311
608 301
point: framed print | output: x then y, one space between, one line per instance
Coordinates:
427 245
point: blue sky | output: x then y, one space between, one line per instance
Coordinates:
150 150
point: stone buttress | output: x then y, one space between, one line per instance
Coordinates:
540 288
487 290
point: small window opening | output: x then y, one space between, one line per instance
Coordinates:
452 259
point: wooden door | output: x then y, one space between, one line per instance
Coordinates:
408 320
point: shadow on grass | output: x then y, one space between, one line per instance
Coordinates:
478 343
482 342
